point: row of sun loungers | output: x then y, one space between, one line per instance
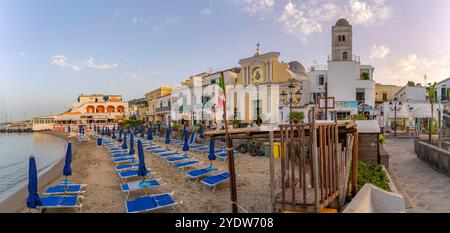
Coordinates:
126 166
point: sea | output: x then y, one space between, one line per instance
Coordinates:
15 150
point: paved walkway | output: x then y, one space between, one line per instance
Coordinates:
424 189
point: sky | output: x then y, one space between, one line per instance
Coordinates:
53 50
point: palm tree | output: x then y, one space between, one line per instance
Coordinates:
432 96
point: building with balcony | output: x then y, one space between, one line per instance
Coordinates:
152 102
138 108
96 108
349 82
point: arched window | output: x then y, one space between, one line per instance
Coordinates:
90 109
110 109
343 38
339 38
344 56
100 108
120 109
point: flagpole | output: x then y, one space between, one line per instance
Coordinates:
231 167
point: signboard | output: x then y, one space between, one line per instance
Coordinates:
330 103
347 104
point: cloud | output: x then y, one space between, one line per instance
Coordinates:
137 20
153 72
206 12
302 18
413 67
379 52
90 63
61 61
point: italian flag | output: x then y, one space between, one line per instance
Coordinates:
220 95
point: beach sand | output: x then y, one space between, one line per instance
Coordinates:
93 166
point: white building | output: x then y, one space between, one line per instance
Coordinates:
412 94
349 82
443 90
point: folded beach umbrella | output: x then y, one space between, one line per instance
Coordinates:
95 128
149 133
67 170
135 130
142 131
108 132
159 127
201 132
114 134
129 129
212 154
167 141
185 136
33 199
120 135
142 170
131 144
68 129
124 144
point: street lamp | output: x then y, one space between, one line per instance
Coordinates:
292 97
395 106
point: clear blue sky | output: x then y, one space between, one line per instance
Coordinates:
53 50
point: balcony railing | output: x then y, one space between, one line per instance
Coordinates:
164 109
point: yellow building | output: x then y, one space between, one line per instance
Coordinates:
261 80
385 93
153 103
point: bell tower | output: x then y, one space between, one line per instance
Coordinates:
342 41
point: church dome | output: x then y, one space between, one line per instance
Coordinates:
297 67
342 22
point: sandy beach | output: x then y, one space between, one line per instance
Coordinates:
93 166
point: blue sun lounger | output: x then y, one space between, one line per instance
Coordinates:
149 203
186 164
168 154
177 159
153 148
224 155
165 150
138 185
124 175
71 189
124 167
213 181
201 149
126 159
61 202
195 174
120 155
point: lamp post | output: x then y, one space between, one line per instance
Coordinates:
395 106
292 97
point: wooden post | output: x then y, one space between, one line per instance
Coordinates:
338 161
272 172
229 141
355 163
315 160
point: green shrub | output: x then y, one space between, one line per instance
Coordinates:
297 117
359 117
372 174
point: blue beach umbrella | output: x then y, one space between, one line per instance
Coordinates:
68 129
149 133
167 141
67 171
120 135
135 131
129 130
124 144
142 170
142 131
212 154
33 199
99 141
95 128
185 136
131 144
159 127
201 132
108 132
114 134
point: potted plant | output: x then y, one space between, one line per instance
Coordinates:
296 117
236 123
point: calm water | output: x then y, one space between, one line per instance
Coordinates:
15 149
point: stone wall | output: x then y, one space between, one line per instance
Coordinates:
435 157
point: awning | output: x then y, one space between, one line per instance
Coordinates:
423 112
403 113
